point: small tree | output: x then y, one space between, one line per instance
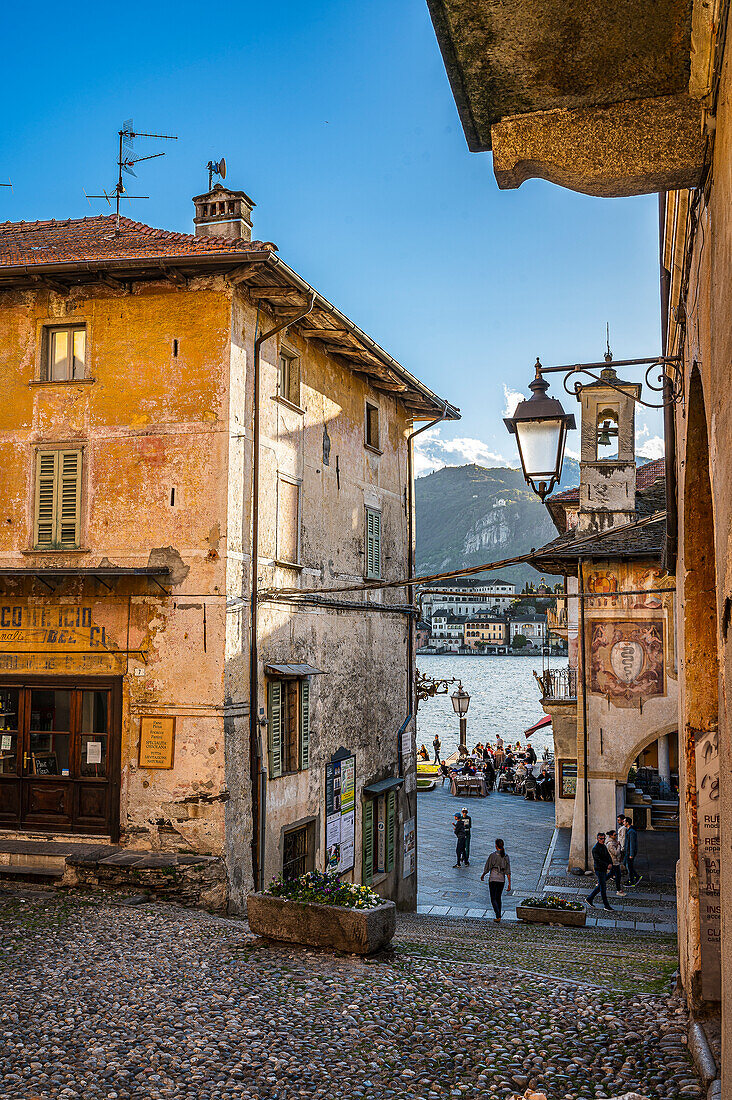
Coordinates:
519 641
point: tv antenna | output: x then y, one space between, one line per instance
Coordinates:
216 168
8 184
126 161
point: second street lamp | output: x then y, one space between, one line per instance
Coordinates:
461 702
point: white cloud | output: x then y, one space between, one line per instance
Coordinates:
512 399
432 452
652 447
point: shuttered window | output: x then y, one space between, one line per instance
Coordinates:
390 827
288 711
373 544
275 729
367 856
58 500
304 725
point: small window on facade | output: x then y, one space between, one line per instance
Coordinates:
288 710
372 426
298 854
379 827
373 544
288 521
289 381
63 354
57 500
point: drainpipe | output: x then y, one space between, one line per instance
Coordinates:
669 419
257 770
411 706
583 655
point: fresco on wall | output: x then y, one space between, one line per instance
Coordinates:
626 660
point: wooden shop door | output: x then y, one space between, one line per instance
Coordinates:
59 756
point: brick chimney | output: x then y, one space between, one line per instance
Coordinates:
224 213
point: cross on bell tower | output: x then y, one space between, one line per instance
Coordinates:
607 459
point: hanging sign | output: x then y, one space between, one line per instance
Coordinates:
157 738
340 814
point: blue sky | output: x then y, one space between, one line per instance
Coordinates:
337 118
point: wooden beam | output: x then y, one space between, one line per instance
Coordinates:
110 281
325 333
242 273
174 276
51 284
272 291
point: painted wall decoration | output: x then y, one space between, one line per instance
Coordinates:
626 660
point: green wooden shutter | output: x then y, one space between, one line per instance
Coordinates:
390 829
69 498
373 543
304 724
45 518
275 729
367 868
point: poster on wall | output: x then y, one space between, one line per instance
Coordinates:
626 660
340 815
707 818
410 848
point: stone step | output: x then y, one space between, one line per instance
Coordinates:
9 872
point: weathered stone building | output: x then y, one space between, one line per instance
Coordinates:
176 408
614 106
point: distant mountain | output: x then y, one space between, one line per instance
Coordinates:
467 515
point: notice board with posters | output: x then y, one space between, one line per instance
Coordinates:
340 813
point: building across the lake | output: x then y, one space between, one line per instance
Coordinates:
463 598
193 441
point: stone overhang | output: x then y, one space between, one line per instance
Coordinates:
587 94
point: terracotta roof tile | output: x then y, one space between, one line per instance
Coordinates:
96 239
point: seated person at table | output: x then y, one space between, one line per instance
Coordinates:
423 753
469 768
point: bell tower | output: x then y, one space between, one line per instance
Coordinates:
607 459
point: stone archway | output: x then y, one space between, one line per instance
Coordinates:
644 743
699 713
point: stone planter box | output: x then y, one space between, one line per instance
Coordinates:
358 931
573 918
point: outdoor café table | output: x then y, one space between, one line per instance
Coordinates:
467 784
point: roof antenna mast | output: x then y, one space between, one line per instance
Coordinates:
608 353
126 160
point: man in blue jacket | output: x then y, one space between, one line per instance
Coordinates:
631 851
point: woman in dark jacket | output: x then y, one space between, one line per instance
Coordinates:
498 869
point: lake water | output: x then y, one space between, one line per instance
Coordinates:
504 699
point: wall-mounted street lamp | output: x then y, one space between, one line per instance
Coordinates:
461 702
541 424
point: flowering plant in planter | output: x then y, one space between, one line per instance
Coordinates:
324 889
553 901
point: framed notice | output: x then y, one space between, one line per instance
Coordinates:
157 741
567 778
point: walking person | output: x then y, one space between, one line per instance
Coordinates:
601 862
437 745
459 830
498 869
631 851
616 854
621 841
467 825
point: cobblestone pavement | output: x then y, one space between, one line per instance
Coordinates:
103 1000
